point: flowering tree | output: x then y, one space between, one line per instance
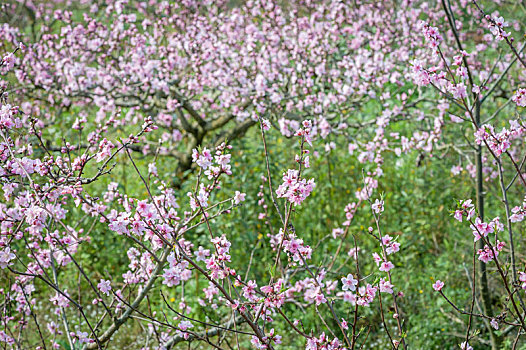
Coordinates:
470 81
130 115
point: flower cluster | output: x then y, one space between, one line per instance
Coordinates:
365 295
519 212
496 27
294 246
305 132
105 148
350 211
7 62
324 342
482 229
176 272
216 264
182 329
499 142
269 339
295 189
465 209
489 254
274 294
202 158
9 117
520 97
432 36
390 245
213 166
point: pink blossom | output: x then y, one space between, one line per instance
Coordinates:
239 197
5 257
438 285
378 206
520 97
385 286
386 266
349 282
104 286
